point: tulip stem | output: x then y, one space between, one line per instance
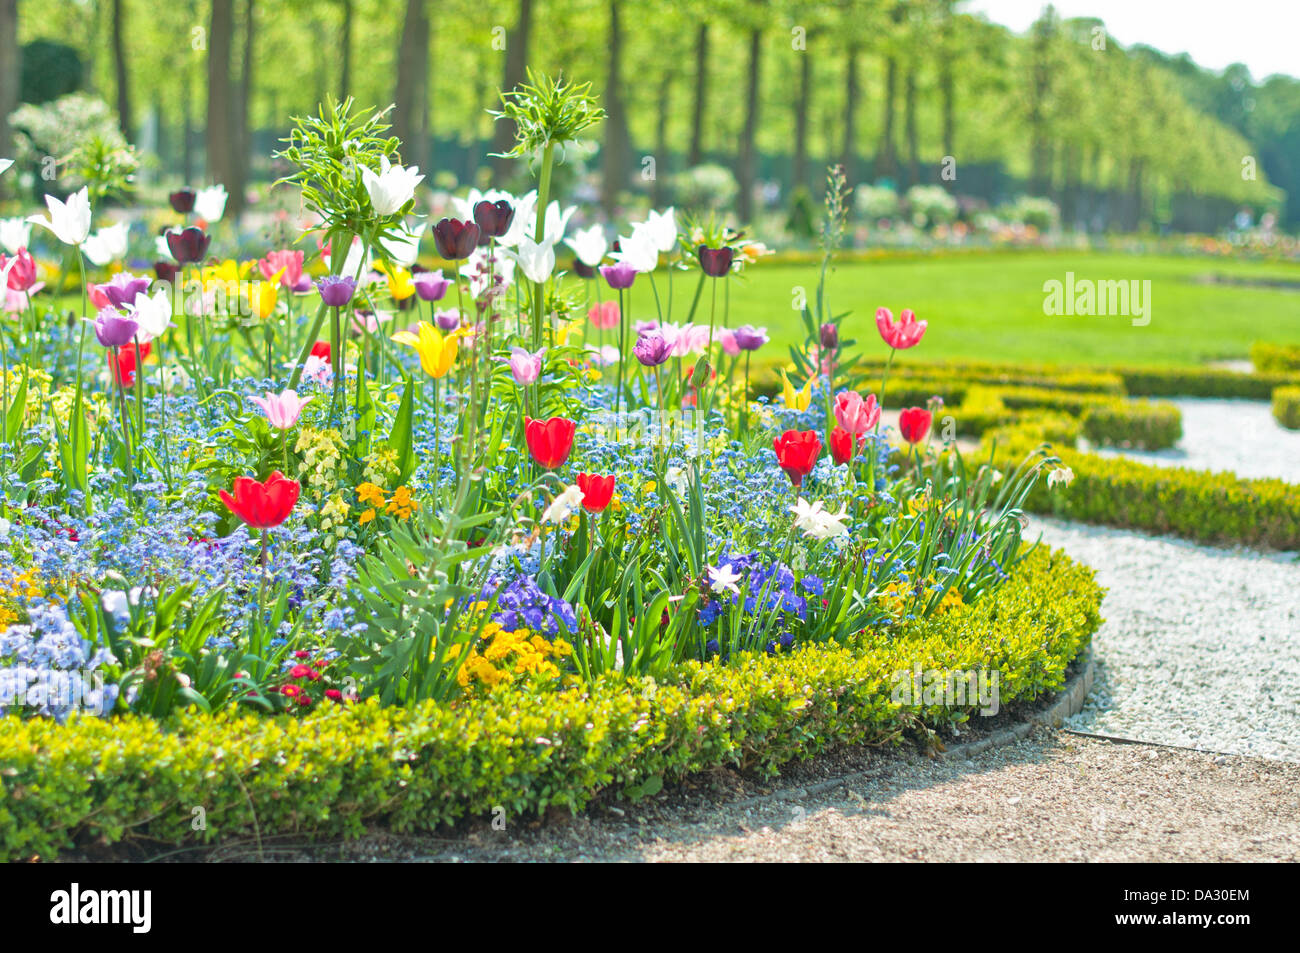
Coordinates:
883 378
539 232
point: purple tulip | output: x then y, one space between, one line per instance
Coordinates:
652 348
619 275
183 200
303 286
455 240
715 262
750 338
447 320
494 218
335 290
582 269
830 337
166 271
188 244
122 288
113 330
431 285
526 366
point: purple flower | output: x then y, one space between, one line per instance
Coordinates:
455 240
525 366
113 330
183 200
494 218
447 320
750 338
619 275
652 348
122 288
431 285
583 270
336 291
188 244
830 337
715 262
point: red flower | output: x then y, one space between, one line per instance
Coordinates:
333 694
914 424
841 441
321 349
289 690
299 671
597 491
123 361
797 452
549 441
263 505
904 333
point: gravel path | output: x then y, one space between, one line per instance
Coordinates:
1201 645
1236 435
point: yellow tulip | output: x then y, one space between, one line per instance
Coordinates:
437 353
262 296
796 399
400 283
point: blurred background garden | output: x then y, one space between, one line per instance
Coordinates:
984 160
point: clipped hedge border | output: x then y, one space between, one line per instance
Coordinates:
1197 505
1141 424
1275 358
1286 407
339 770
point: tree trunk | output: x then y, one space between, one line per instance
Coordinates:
119 71
410 98
10 79
886 160
345 52
747 172
701 95
616 147
503 131
241 143
909 129
852 91
661 138
220 127
799 165
187 124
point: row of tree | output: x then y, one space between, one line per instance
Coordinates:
906 91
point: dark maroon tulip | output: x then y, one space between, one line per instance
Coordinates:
583 270
188 244
830 337
455 240
166 271
715 262
494 218
183 200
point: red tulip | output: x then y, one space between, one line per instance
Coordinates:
123 361
797 452
907 332
842 449
549 441
914 424
321 349
597 491
263 505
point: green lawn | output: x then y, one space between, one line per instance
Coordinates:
990 307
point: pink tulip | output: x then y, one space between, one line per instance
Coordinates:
288 264
283 410
524 366
97 296
604 316
728 339
855 414
906 333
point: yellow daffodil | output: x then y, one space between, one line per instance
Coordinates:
400 283
563 331
796 399
437 353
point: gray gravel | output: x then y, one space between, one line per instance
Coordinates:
1201 645
1236 435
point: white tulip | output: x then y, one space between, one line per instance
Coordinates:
557 221
210 203
537 261
816 522
639 250
107 244
589 245
392 188
521 226
15 233
153 313
662 229
69 221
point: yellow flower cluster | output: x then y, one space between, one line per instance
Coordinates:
896 596
501 656
380 466
401 505
322 451
333 514
21 588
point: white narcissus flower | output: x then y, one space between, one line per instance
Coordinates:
662 229
537 261
404 249
816 522
675 477
70 220
589 245
1063 476
724 579
638 250
392 188
107 244
15 233
153 313
210 203
564 505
